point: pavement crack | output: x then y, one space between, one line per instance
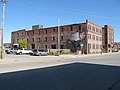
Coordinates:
110 88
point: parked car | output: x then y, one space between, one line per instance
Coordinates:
11 51
39 52
7 51
31 53
23 51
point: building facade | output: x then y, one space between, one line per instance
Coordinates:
94 37
108 38
117 46
39 37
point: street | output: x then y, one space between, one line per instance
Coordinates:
101 72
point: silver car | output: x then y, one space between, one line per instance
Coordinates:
40 52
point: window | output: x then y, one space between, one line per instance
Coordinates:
97 38
21 34
46 31
100 38
38 46
93 46
61 29
45 46
97 47
70 28
27 40
89 36
18 34
89 46
61 38
27 33
100 31
96 29
53 38
93 28
38 40
32 39
61 46
45 39
89 27
13 40
13 35
79 27
93 37
53 29
53 46
76 28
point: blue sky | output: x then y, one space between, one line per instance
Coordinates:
22 14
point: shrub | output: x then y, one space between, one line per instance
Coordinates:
55 53
66 52
52 53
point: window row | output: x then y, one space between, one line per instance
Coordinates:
95 29
94 46
54 30
19 34
52 46
93 37
46 39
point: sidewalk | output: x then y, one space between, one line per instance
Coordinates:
86 55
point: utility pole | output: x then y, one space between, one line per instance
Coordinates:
2 29
58 37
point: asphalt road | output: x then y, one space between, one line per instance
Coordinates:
87 73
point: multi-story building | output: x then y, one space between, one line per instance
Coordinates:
17 35
94 37
39 37
117 46
108 38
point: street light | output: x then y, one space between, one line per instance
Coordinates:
2 29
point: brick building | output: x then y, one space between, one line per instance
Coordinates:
94 40
39 37
117 45
108 37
